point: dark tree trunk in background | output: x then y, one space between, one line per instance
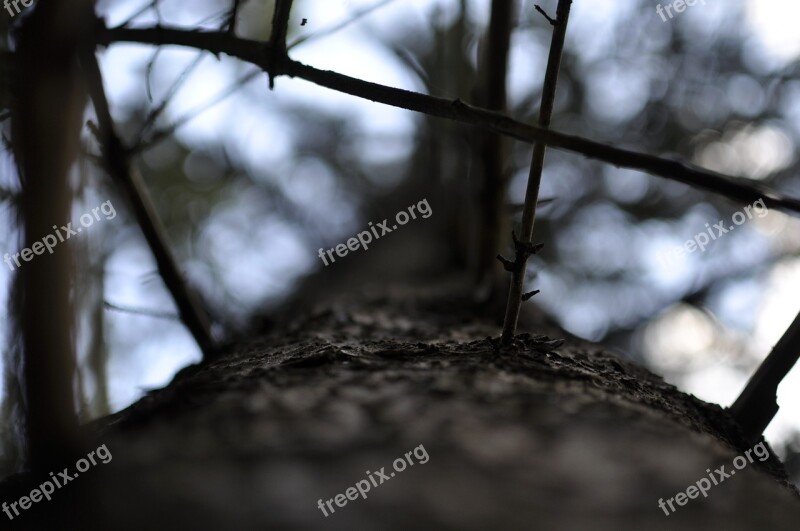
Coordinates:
47 123
492 150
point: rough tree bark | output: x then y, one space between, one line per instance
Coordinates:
540 435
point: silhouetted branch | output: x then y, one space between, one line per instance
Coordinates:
280 24
140 12
515 295
169 130
141 311
738 189
155 113
116 158
552 21
231 18
516 208
757 405
277 41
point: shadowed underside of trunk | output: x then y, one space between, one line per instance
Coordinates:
543 435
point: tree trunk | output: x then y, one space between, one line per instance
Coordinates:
537 436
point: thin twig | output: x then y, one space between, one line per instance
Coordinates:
139 13
141 311
234 12
117 159
162 134
523 248
148 74
516 208
742 190
157 111
552 21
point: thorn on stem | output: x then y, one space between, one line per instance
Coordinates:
508 265
525 248
457 104
527 296
545 201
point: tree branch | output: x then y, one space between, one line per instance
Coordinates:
234 12
167 131
515 296
116 157
738 189
755 408
140 311
280 24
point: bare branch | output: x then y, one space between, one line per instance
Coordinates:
280 24
231 19
552 21
141 311
117 159
165 133
148 74
757 405
515 295
739 189
277 41
156 112
140 12
216 42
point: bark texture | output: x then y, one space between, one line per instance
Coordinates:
541 435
